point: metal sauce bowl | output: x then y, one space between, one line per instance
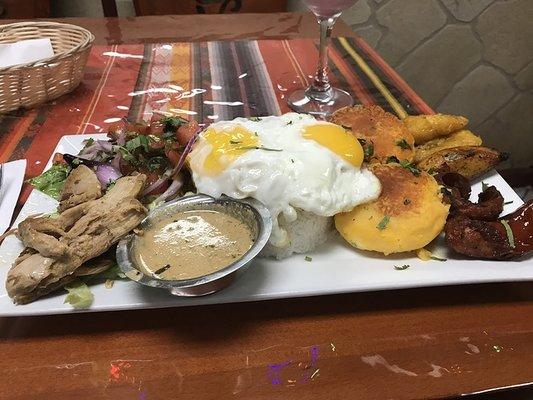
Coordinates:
253 213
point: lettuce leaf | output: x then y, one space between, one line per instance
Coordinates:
79 295
51 182
113 272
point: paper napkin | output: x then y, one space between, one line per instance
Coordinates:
25 51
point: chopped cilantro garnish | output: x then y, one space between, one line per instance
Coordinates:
368 149
308 259
137 142
88 142
169 135
255 119
173 123
155 163
403 144
235 141
125 153
258 148
383 223
509 202
289 123
410 167
110 185
405 164
484 186
401 267
392 159
509 232
407 202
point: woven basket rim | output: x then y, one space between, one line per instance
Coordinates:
86 43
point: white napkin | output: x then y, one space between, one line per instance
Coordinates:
25 51
12 178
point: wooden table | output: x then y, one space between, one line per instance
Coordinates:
407 344
175 28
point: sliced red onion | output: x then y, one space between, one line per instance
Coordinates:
90 155
115 162
105 145
94 149
121 138
176 185
157 184
185 153
90 150
154 186
107 174
177 180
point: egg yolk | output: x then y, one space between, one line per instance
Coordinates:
338 140
226 146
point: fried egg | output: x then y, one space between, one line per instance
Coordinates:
287 162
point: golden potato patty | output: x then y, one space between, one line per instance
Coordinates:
407 216
384 135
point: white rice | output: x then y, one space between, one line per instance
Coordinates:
305 234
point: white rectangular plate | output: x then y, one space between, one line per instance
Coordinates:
335 268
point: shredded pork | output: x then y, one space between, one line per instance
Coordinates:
57 247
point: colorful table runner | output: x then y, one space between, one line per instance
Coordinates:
209 81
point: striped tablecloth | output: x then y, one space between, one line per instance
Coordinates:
207 80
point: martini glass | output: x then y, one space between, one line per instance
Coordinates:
321 99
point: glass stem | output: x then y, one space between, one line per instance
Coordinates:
320 88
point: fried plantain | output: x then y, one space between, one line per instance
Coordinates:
381 133
469 161
461 138
427 127
407 216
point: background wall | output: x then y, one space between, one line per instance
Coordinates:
469 57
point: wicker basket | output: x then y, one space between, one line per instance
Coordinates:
27 85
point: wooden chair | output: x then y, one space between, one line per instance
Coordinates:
15 9
110 8
163 7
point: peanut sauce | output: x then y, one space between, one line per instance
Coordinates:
191 244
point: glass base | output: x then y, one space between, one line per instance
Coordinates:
301 102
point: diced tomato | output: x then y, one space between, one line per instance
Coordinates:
152 177
139 127
126 168
155 144
186 131
114 131
156 117
58 159
157 128
173 156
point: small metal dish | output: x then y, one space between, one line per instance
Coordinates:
249 211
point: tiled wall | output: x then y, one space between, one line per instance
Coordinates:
470 57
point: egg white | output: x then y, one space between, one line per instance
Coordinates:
303 175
